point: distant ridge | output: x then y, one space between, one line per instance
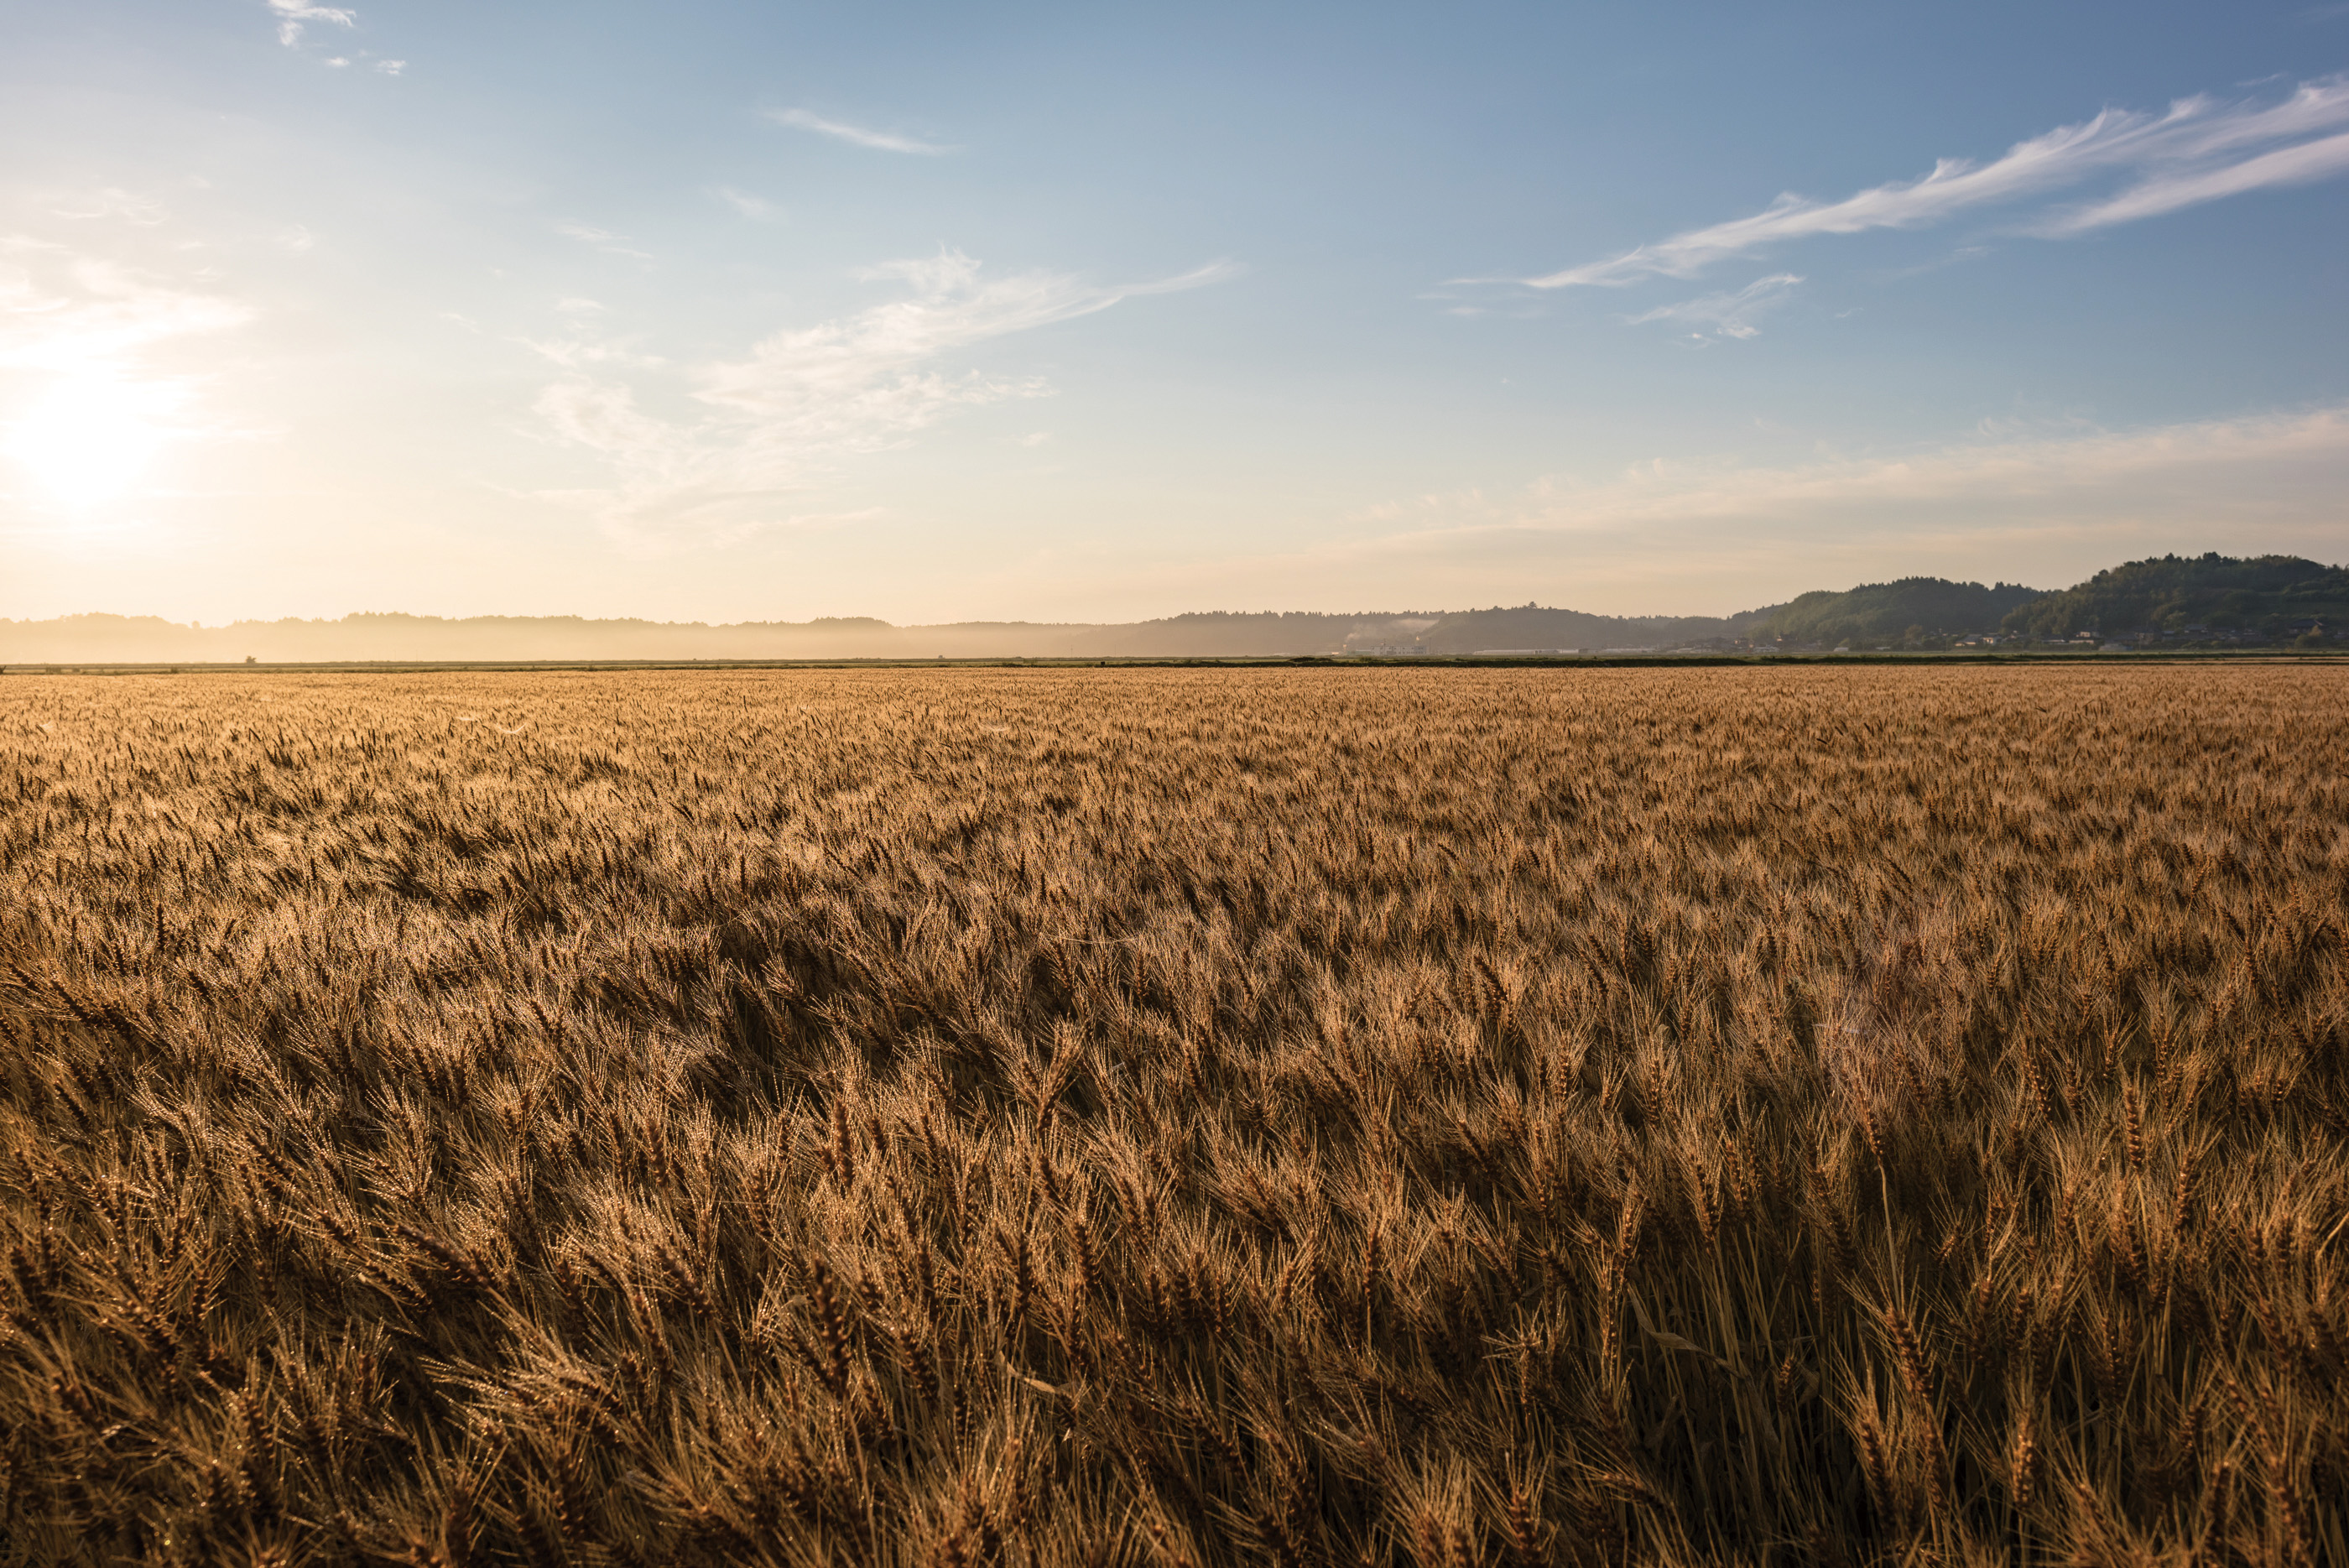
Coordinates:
2268 596
1874 612
150 639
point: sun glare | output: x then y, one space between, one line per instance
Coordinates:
88 438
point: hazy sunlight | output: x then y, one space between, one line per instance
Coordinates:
88 438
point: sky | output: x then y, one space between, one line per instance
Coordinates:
1099 312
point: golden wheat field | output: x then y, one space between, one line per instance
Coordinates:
995 1118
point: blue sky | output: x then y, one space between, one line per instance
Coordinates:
764 311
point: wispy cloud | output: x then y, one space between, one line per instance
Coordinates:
2305 165
604 240
294 17
2200 150
1728 315
2049 505
291 13
749 432
2284 472
758 209
2011 471
840 131
64 312
113 202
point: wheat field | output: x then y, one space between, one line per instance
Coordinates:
995 1118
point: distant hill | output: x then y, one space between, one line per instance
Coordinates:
1886 612
1534 627
1225 635
149 640
2264 593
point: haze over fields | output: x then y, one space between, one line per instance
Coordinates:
2176 603
739 313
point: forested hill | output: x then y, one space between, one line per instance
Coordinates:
1534 626
1888 612
2275 595
2264 593
1229 634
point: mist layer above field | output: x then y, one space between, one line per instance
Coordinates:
106 639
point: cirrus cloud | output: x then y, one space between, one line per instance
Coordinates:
745 433
857 135
1730 314
64 312
2047 505
291 13
2200 150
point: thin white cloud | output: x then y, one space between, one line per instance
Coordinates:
113 202
750 431
582 351
291 13
2049 506
2200 150
2092 469
840 131
63 313
1728 315
604 240
2302 165
2282 470
758 209
294 17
